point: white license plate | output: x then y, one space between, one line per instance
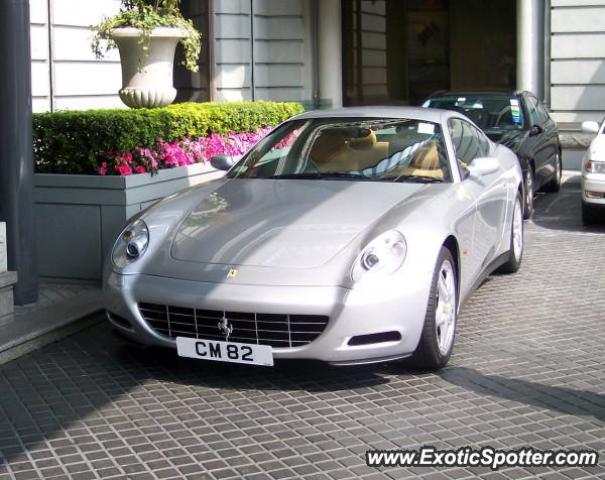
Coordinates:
225 351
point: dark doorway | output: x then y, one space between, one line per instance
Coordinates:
400 51
195 86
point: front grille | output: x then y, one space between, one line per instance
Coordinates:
276 330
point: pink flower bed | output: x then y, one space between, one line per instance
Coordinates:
178 153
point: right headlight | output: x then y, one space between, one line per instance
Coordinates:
131 244
382 256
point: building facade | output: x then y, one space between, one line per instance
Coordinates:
345 52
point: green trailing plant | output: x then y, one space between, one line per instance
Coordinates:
74 141
146 15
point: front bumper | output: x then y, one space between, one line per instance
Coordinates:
593 182
393 304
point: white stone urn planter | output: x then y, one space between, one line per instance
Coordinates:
147 66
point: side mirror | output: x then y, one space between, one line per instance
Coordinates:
590 127
222 162
464 172
535 130
482 166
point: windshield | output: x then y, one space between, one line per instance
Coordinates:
487 111
390 150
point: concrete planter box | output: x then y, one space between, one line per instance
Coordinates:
79 216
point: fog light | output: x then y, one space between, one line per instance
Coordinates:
371 338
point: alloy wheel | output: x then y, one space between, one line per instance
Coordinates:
529 191
446 311
517 231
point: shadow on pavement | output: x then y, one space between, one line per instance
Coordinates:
96 379
560 399
563 210
286 375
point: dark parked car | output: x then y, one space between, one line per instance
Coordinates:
518 121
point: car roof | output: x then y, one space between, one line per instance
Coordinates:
447 93
425 114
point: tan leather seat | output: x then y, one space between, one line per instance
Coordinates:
335 151
427 157
368 151
328 145
425 162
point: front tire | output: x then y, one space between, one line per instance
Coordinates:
555 184
517 242
439 331
590 215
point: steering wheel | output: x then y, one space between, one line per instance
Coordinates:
501 114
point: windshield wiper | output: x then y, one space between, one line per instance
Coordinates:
345 175
301 176
416 179
321 176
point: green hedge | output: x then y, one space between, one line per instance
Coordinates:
71 141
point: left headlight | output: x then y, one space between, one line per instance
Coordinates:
382 256
593 166
131 244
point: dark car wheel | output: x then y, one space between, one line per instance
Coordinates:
437 339
591 215
555 184
517 243
528 209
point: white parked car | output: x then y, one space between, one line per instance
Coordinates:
593 176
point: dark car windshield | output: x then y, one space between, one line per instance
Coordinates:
359 149
488 111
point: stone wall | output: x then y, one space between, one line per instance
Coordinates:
262 50
577 60
7 279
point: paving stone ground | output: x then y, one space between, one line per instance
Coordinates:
528 370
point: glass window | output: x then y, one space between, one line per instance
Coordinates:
351 149
483 142
541 112
487 111
468 142
537 114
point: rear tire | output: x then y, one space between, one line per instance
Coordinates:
438 333
590 214
555 184
517 243
528 179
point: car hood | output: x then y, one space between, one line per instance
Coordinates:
282 223
509 138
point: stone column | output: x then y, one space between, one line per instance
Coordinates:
330 53
16 163
7 279
530 46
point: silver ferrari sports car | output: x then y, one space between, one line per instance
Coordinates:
347 236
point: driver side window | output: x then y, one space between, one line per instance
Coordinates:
537 114
468 145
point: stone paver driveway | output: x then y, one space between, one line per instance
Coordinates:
528 370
